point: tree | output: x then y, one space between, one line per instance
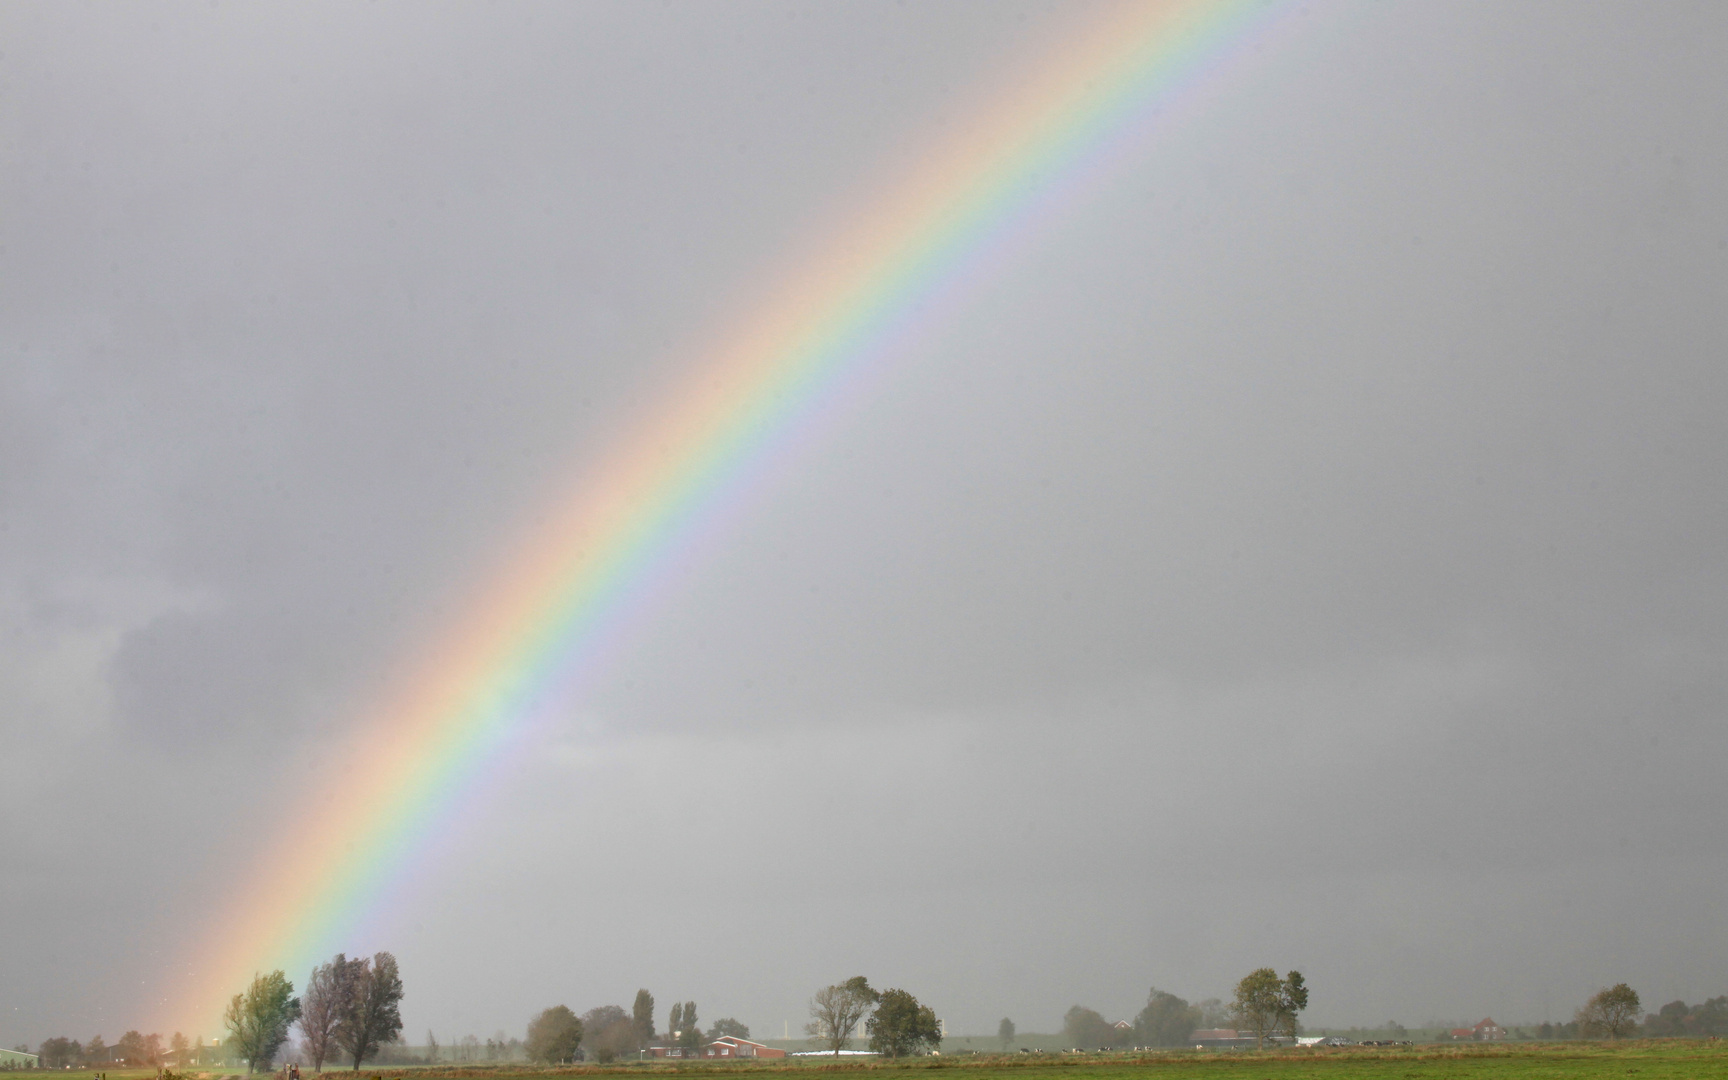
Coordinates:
1677 1018
1005 1033
728 1026
179 1050
1214 1013
609 1032
95 1051
901 1026
431 1046
1083 1027
1167 1020
836 1010
554 1036
330 993
59 1052
1295 1000
1267 1005
258 1020
134 1049
1710 1018
1610 1014
374 1009
689 1035
642 1012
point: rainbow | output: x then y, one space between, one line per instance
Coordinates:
586 570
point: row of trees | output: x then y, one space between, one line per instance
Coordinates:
1698 1021
351 1005
1166 1020
1265 1006
133 1048
896 1022
607 1033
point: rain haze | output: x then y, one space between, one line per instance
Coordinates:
1303 546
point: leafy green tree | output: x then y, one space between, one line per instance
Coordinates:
1267 1005
689 1035
374 1013
901 1026
96 1051
728 1026
1005 1033
1670 1019
642 1012
1611 1013
608 1032
1167 1020
179 1050
1295 1000
1710 1018
258 1019
1085 1028
554 1036
835 1012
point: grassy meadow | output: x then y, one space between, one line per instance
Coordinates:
1665 1059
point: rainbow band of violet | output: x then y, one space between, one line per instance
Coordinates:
599 552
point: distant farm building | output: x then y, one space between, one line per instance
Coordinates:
1486 1030
1219 1038
730 1046
18 1059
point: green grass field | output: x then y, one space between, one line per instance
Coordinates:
1666 1059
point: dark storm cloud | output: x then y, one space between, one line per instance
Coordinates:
1327 507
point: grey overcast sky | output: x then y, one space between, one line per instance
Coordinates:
1310 549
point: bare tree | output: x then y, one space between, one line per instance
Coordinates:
328 1001
835 1012
1610 1014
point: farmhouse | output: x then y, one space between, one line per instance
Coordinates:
18 1059
730 1046
1486 1030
